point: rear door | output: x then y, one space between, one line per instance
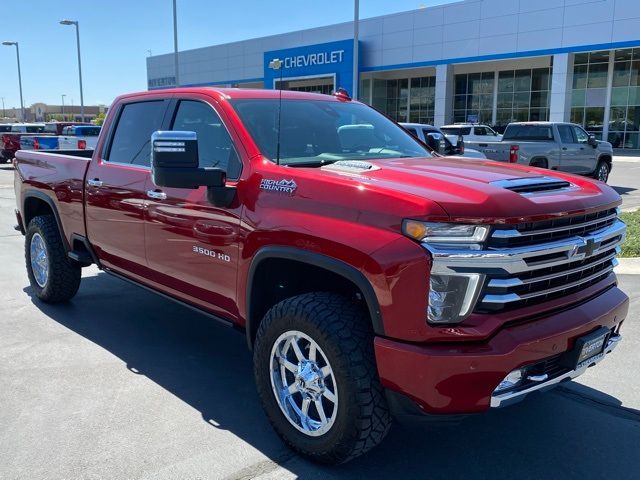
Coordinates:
115 190
192 245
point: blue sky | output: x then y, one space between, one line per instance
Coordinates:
116 34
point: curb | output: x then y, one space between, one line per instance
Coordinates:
628 266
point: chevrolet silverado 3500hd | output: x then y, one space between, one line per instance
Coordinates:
371 278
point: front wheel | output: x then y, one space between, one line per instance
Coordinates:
317 379
53 276
602 171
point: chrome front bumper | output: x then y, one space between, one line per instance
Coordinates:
504 399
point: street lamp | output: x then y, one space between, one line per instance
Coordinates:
63 95
75 22
9 44
175 43
356 50
3 114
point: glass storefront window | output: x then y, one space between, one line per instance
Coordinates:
589 95
406 100
474 97
523 95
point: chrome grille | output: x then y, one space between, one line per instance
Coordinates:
591 260
567 256
546 231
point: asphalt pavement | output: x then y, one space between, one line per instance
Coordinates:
120 383
625 178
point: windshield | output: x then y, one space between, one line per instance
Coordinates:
317 132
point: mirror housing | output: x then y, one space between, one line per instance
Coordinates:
593 141
174 162
460 145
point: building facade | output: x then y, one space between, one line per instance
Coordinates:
486 61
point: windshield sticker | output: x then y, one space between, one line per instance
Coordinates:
280 186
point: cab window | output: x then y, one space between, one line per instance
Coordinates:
215 146
566 134
131 141
581 135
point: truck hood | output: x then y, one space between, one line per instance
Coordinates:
482 191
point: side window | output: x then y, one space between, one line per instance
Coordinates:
132 138
412 131
215 147
581 135
566 134
481 131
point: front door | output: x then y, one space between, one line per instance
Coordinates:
586 154
569 149
115 191
192 245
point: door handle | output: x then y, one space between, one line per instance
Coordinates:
96 182
565 148
156 195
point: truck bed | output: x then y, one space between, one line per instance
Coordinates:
57 178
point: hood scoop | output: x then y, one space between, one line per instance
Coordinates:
532 186
352 166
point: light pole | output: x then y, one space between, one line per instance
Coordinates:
63 95
3 114
175 43
75 22
356 50
19 76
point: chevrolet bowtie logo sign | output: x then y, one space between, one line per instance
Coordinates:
590 248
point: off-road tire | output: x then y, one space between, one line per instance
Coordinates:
64 274
343 331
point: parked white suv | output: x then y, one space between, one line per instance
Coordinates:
471 133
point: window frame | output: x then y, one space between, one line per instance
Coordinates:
174 113
106 150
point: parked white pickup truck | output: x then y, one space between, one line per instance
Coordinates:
438 141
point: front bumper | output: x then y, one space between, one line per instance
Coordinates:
461 378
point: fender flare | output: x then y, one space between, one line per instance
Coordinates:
27 194
318 260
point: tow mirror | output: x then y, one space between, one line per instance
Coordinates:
175 164
593 141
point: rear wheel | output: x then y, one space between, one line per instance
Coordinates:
54 277
602 171
317 379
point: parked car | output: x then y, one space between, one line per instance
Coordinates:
439 142
27 128
471 132
371 279
39 142
5 127
554 145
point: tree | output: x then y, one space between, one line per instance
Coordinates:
99 120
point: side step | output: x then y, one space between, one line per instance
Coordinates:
83 258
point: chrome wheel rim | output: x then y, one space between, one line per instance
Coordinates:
603 173
39 260
303 383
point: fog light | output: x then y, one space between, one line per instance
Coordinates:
510 381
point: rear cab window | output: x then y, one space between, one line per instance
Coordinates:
532 133
131 139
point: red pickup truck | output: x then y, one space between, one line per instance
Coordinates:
371 277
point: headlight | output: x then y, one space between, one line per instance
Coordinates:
452 233
452 296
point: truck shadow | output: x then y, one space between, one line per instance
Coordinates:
572 432
624 190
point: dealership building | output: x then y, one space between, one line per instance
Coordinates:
486 61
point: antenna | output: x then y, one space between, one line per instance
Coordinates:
276 64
